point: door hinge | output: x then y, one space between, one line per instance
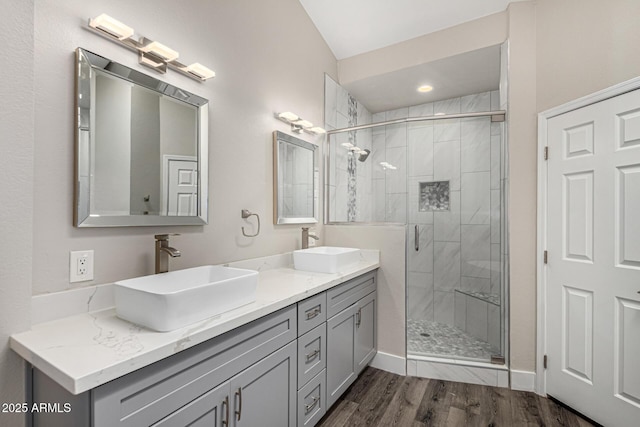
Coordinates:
544 361
546 153
545 257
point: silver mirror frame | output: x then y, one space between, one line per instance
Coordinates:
277 178
97 62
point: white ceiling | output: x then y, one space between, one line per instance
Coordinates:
450 77
352 27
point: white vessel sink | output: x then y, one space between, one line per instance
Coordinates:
168 301
325 259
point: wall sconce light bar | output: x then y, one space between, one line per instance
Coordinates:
111 26
200 71
158 49
298 124
151 53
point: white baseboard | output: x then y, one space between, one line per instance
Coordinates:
390 363
523 380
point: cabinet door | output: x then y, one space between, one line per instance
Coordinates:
365 348
211 410
341 369
265 394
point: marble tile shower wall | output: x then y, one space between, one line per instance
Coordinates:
298 197
349 187
458 248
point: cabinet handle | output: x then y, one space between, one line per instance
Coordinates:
309 407
313 313
225 403
313 355
239 411
416 238
358 317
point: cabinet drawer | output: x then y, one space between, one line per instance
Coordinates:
312 402
342 296
312 354
149 394
311 313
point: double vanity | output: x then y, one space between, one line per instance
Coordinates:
281 360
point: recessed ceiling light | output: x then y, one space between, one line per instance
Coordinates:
425 88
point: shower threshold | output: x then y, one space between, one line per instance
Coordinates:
428 338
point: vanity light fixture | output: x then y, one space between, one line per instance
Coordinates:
151 53
111 26
288 116
200 71
158 49
303 123
298 124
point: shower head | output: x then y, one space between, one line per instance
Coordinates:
364 154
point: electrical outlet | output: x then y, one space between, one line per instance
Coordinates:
80 266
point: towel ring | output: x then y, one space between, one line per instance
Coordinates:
246 214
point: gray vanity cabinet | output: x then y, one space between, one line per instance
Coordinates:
209 410
285 369
351 333
265 394
365 348
341 369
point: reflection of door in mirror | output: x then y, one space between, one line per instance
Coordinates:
180 186
138 148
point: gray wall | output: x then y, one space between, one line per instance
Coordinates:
146 169
111 154
256 76
16 193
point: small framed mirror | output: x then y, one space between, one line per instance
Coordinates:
141 148
295 180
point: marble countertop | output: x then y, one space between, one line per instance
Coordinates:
86 350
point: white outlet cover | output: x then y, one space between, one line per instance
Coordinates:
80 266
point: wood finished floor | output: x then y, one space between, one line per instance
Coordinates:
382 399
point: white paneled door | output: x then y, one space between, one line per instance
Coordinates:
183 188
593 270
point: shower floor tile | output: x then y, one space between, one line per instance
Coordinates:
427 338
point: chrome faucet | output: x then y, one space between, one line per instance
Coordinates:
163 252
305 237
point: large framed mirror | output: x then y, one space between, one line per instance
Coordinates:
141 148
295 184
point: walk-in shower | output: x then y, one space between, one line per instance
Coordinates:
439 168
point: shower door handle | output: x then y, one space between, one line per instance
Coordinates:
417 238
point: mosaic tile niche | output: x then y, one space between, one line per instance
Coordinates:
434 196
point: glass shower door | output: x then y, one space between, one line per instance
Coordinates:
455 306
